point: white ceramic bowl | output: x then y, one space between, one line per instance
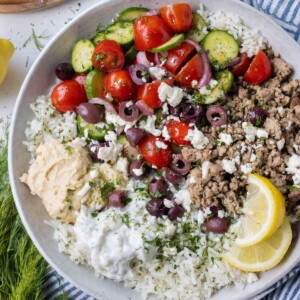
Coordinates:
38 81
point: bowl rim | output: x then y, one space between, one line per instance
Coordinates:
12 176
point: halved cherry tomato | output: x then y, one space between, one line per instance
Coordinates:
242 66
108 55
177 16
120 85
178 130
150 32
80 78
260 69
149 93
153 154
178 56
67 95
192 71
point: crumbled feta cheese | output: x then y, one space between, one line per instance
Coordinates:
165 133
110 153
138 172
207 212
237 159
246 168
94 173
293 168
122 166
197 138
81 141
229 166
250 131
109 97
128 104
83 190
114 119
261 133
149 125
206 90
158 73
183 198
280 110
226 138
252 157
168 203
127 126
165 109
173 95
221 213
161 145
194 83
205 169
244 147
110 136
170 228
280 144
296 147
200 217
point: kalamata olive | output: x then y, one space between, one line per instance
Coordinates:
138 169
156 207
172 176
128 112
64 71
134 135
214 209
117 199
217 225
177 110
94 149
216 115
175 212
256 116
294 102
191 113
90 113
158 187
180 165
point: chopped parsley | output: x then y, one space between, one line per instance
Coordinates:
69 149
126 220
100 56
106 190
292 188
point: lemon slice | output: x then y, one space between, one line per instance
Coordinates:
264 255
6 51
264 210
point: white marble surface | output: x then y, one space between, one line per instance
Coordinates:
18 28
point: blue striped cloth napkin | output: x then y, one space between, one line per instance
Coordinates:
287 14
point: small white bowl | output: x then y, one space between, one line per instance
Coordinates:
38 81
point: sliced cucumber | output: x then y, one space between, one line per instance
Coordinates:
94 84
222 47
176 40
225 81
130 56
94 131
196 32
132 13
82 56
99 37
121 32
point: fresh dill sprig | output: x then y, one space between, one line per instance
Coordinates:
36 39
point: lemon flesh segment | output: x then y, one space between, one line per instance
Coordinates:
264 255
6 51
264 210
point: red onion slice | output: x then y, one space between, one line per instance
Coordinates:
157 57
233 62
134 74
153 12
108 106
142 59
207 69
128 112
144 108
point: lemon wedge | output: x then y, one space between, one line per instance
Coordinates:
264 255
6 51
264 210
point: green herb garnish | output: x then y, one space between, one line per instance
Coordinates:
106 190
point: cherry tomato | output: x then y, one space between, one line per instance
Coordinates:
120 85
260 69
108 56
240 68
150 32
178 130
153 154
177 16
192 71
67 95
178 56
149 93
80 78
